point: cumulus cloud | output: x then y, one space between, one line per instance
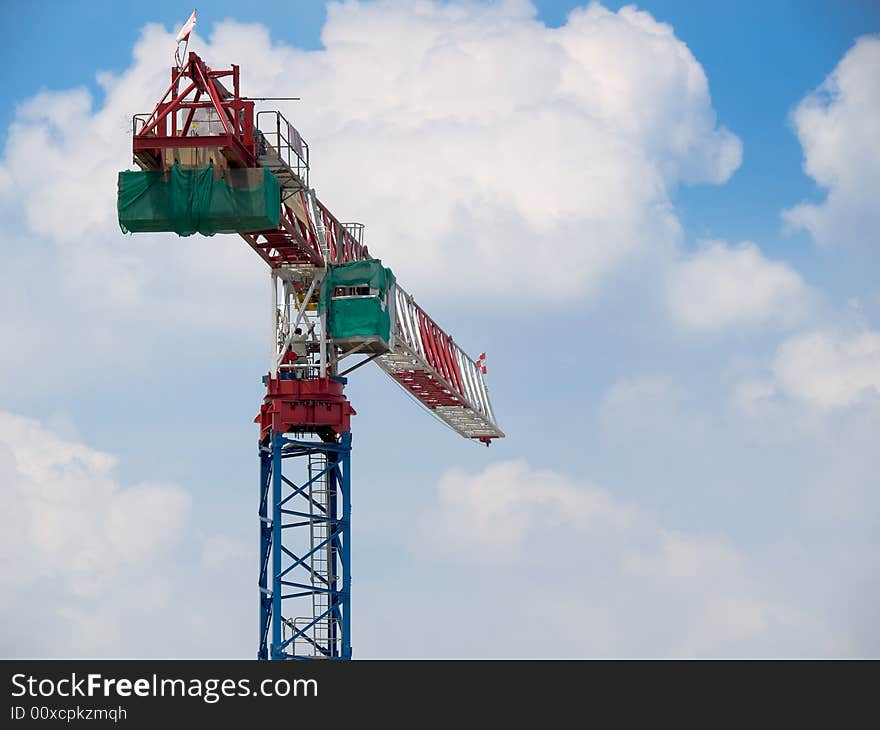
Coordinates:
489 139
596 574
496 513
484 150
720 286
475 138
838 126
830 369
69 532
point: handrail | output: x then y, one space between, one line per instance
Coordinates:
143 118
283 140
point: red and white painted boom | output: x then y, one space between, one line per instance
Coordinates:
427 362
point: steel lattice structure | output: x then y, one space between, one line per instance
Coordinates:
310 587
304 420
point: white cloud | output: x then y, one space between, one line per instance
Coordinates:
830 369
470 138
597 572
838 126
491 515
67 517
721 286
490 139
485 152
75 543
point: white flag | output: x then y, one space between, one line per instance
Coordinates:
187 28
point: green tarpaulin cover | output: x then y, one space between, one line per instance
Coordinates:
359 318
196 200
362 316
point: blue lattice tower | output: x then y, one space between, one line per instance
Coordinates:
305 521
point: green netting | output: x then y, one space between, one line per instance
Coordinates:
196 200
368 272
363 317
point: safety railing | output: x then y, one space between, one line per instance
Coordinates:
276 137
442 356
356 231
138 122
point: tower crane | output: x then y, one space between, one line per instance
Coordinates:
209 163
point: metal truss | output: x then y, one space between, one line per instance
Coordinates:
428 364
294 293
195 86
305 550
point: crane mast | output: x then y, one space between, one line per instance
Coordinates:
210 163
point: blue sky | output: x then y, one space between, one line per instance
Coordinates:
687 365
